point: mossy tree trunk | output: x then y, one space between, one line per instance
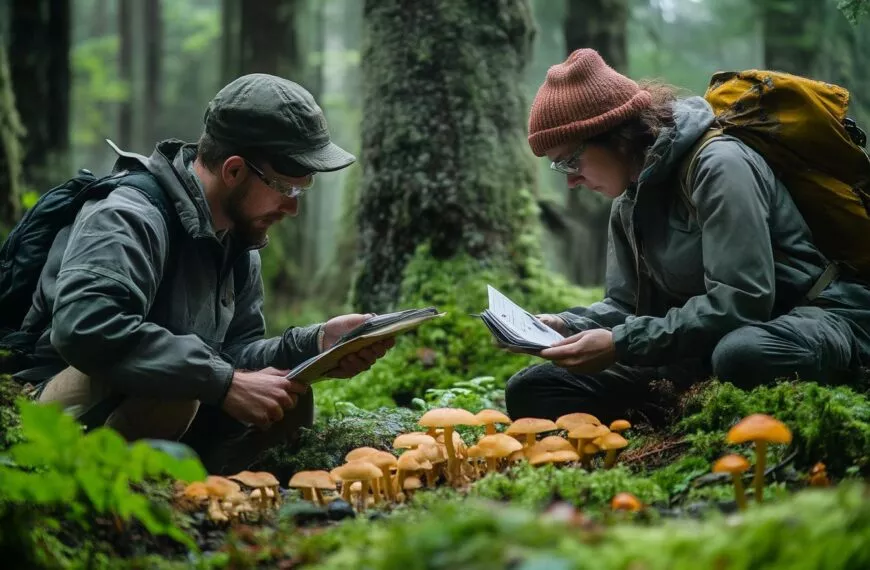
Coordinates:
11 132
600 25
444 122
39 61
792 34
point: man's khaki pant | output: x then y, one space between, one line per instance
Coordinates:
224 445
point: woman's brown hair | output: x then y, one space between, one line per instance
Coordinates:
633 138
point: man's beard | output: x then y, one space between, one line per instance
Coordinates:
243 228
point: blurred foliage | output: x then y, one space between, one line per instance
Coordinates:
57 478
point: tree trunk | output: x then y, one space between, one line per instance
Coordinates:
39 61
153 58
260 37
792 35
444 117
11 132
125 72
600 25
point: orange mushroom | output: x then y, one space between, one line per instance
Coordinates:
530 427
762 429
489 418
736 465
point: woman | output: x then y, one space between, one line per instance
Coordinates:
720 287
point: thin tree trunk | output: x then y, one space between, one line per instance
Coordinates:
153 58
39 61
11 132
125 72
792 36
444 116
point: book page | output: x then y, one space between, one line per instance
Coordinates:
519 320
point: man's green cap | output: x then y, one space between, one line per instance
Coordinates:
279 117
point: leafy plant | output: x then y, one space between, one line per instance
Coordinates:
59 471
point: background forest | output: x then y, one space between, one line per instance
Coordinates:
137 71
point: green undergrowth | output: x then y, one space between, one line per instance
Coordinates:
10 421
829 424
825 529
457 347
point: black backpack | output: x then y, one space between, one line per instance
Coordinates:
26 249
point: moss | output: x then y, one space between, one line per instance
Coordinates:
826 529
535 486
829 424
10 419
329 439
457 347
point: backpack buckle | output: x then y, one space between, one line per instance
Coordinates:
858 136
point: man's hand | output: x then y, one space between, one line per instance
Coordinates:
261 398
357 362
554 322
586 352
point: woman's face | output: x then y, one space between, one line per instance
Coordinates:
594 166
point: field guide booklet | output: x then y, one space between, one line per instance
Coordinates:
379 327
514 326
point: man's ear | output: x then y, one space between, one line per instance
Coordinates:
233 171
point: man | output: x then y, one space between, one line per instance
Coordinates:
153 330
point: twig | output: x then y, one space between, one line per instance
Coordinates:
659 450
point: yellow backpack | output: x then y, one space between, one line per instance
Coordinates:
801 129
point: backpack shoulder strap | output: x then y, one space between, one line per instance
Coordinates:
690 162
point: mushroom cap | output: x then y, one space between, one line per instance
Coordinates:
221 486
448 417
359 453
499 445
732 463
590 449
196 491
588 431
492 417
531 425
569 421
620 425
255 479
625 502
413 461
553 443
357 470
312 480
381 459
759 427
434 453
412 440
564 456
611 440
412 483
476 451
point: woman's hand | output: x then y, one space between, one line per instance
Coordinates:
554 322
587 352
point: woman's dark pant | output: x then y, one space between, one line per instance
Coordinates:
808 343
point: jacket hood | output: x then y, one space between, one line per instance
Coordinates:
692 117
168 163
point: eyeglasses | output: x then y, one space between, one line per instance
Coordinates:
287 189
569 165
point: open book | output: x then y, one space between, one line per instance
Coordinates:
514 327
379 327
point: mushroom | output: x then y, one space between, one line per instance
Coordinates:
552 443
447 418
619 426
819 476
762 429
409 462
736 465
359 470
219 488
589 451
489 418
412 440
435 454
530 427
383 460
311 483
194 495
497 446
359 453
584 433
612 443
259 480
625 502
476 453
569 421
558 456
410 485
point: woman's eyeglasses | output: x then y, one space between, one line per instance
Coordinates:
570 165
287 189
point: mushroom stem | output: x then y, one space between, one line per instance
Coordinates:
760 457
363 495
610 458
386 485
431 476
491 464
401 474
376 489
345 490
530 439
319 496
308 494
452 464
739 493
490 429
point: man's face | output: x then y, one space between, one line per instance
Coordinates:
254 205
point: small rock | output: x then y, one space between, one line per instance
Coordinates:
339 509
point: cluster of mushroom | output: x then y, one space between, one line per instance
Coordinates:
369 475
762 430
227 498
